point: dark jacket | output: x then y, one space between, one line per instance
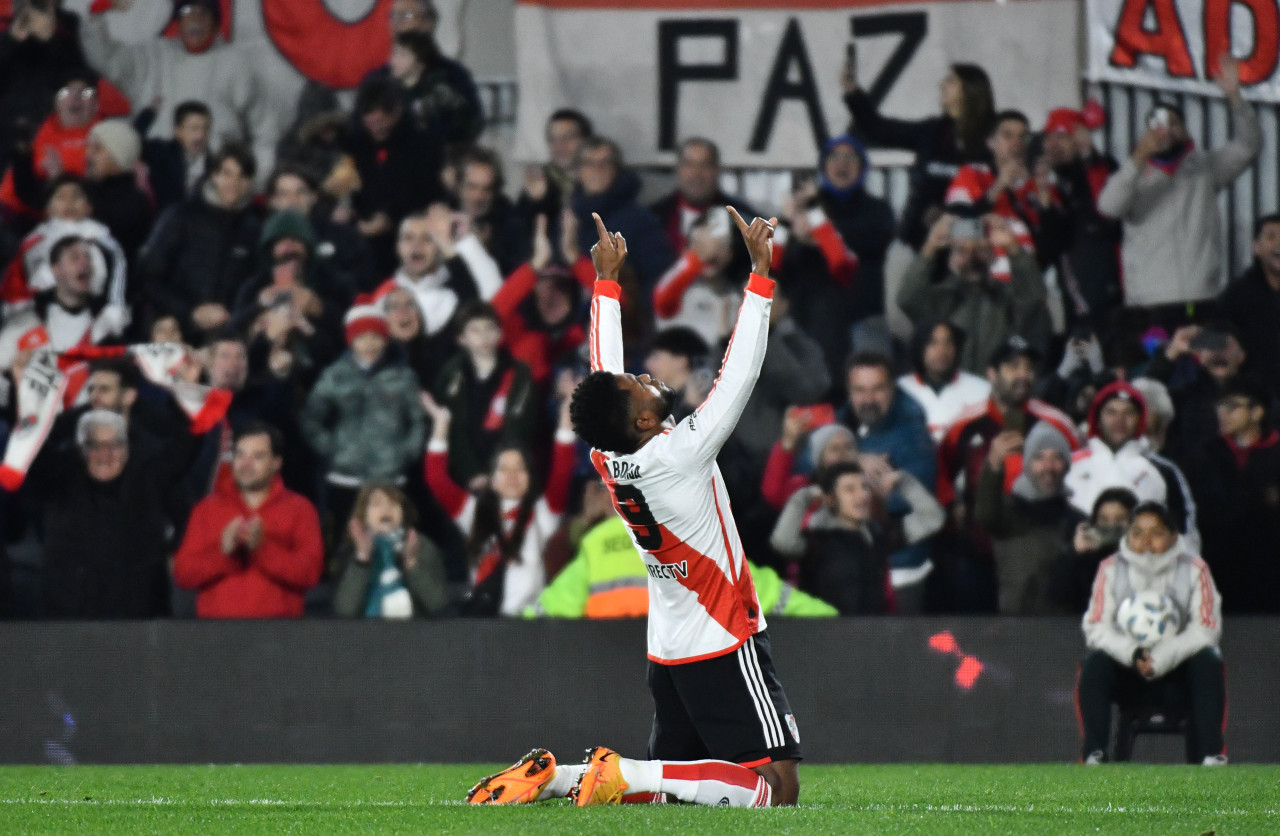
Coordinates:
499 410
647 244
1254 309
199 253
444 101
1088 242
123 208
31 73
95 566
1027 537
166 163
1239 500
825 307
399 176
937 161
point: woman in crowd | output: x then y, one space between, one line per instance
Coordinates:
507 523
386 568
941 143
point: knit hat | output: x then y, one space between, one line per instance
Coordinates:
287 223
1063 119
1043 436
365 317
120 140
824 435
1123 391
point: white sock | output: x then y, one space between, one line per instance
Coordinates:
565 779
709 782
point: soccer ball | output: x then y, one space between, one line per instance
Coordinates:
1148 617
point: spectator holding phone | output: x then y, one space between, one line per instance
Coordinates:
1166 194
1088 544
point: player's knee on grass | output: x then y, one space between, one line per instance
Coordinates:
784 781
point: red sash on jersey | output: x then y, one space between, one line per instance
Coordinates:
498 403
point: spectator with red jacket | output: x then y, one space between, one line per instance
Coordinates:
538 303
58 146
253 548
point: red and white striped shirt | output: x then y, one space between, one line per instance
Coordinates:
702 602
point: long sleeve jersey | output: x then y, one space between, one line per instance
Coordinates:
702 600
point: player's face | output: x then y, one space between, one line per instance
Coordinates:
648 395
1148 535
510 475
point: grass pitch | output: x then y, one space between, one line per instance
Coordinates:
929 799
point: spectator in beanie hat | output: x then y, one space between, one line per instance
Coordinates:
363 417
111 183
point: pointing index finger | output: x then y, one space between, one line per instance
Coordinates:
604 233
742 225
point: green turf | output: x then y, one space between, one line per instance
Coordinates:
932 799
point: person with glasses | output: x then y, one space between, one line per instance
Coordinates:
1237 481
57 147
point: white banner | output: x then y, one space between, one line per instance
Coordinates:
1175 44
763 79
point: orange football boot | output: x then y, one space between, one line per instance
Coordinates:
520 783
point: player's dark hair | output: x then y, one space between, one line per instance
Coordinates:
62 245
487 532
829 477
190 107
601 414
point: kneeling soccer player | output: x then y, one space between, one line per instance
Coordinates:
723 732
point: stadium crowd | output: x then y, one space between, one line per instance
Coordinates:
323 367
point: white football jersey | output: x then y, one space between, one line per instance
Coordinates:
702 602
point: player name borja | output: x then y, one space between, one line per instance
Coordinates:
669 571
624 470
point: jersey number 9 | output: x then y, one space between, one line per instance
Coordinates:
634 509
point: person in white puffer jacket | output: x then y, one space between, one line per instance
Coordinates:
1183 670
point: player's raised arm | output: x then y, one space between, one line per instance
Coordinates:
605 343
706 431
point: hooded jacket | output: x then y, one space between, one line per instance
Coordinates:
1098 467
1177 573
200 252
271 581
1172 248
